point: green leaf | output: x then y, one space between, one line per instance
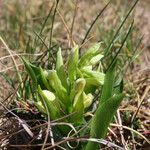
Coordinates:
78 89
78 97
108 84
44 79
27 90
96 76
56 84
90 88
78 108
30 72
35 69
60 69
48 99
89 54
40 107
102 119
118 87
93 81
73 63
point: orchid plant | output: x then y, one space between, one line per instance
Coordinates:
68 89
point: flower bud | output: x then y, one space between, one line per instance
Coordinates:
49 95
89 54
78 89
96 59
48 101
88 99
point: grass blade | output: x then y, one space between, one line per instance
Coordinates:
92 24
122 44
53 20
120 27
